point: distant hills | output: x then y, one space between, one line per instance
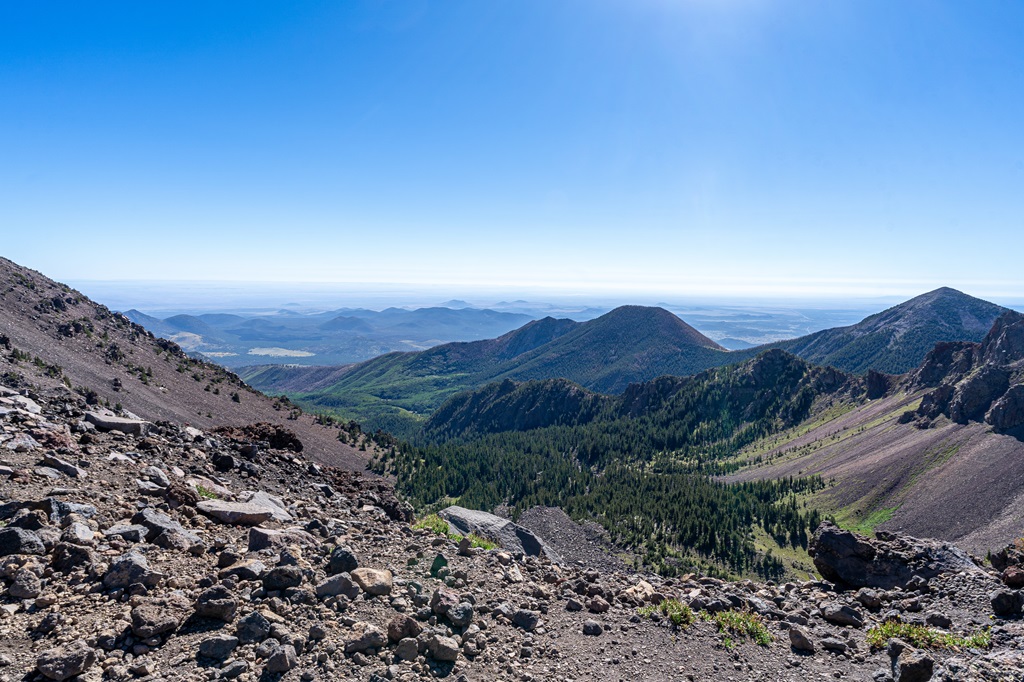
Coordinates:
606 354
337 337
627 345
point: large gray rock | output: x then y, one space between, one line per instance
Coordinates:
275 505
511 536
890 560
269 538
108 422
235 513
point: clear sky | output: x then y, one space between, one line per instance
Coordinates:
678 146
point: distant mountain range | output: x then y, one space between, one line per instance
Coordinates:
627 345
336 337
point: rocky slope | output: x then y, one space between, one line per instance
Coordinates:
155 551
59 337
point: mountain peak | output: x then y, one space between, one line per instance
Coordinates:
640 322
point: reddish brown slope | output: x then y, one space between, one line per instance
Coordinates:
91 347
962 483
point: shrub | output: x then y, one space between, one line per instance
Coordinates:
678 613
926 638
742 623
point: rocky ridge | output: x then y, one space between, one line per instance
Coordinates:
160 551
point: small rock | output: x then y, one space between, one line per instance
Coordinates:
218 647
19 541
800 641
218 603
335 585
373 581
443 648
282 659
342 561
403 627
592 627
252 629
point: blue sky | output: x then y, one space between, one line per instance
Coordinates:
690 147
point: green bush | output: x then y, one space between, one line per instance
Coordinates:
926 638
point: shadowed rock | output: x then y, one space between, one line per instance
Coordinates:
510 536
889 561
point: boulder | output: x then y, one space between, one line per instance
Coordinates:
973 395
165 531
109 422
891 560
800 641
342 561
443 648
235 513
275 505
842 614
64 662
282 577
509 535
282 659
402 627
268 538
26 585
252 629
1006 603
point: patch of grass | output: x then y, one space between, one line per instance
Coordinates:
742 623
678 613
876 518
924 637
480 541
435 524
206 493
